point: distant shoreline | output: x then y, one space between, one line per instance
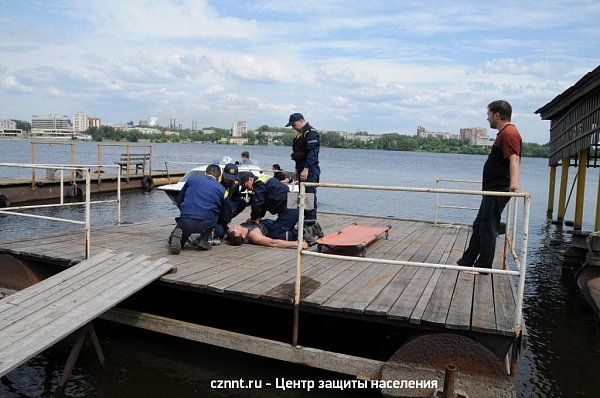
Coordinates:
480 150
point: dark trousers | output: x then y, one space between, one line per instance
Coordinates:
190 226
284 226
310 216
482 245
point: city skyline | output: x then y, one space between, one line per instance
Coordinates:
381 68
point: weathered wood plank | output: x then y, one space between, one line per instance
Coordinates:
385 300
437 307
334 284
427 294
36 327
404 306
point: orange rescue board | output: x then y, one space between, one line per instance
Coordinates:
357 236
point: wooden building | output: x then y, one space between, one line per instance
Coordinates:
574 139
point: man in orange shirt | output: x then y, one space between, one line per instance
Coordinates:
500 173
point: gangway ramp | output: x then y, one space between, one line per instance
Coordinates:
35 318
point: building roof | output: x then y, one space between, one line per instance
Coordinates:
561 102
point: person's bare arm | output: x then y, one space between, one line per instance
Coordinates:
514 162
259 239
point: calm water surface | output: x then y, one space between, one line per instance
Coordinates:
562 358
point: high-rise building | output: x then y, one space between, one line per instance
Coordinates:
144 123
421 131
51 126
80 122
8 124
476 135
93 122
239 128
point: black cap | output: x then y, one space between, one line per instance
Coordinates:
245 177
230 172
294 117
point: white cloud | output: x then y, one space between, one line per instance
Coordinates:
10 84
164 19
216 89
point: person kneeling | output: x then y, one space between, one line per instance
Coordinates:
202 206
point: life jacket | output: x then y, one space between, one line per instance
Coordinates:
300 145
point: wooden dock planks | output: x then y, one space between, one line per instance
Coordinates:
444 299
33 319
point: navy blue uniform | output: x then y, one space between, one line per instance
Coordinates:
270 194
306 154
202 206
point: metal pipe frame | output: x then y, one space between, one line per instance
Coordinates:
519 262
300 251
437 197
414 189
88 202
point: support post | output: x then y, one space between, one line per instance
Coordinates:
597 224
118 194
33 170
72 159
74 354
579 200
99 163
301 198
437 200
87 212
562 198
551 188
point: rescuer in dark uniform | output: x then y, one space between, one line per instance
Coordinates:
306 155
202 206
270 194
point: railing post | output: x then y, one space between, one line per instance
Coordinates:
128 165
507 233
167 170
514 223
62 186
523 268
437 200
301 198
118 194
33 170
87 212
72 158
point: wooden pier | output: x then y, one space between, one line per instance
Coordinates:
35 318
404 295
21 190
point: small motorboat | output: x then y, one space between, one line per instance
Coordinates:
172 190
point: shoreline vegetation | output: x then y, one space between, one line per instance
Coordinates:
266 135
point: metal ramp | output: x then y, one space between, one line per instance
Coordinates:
35 318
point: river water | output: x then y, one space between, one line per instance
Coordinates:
562 358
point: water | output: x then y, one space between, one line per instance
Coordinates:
563 350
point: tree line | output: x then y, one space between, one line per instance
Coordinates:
391 142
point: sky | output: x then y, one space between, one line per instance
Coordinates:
378 66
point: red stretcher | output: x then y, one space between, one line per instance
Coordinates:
354 236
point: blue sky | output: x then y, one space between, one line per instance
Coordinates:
381 66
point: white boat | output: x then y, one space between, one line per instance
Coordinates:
172 190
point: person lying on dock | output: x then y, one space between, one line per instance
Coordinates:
270 194
257 234
202 206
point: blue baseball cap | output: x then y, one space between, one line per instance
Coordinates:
230 172
245 177
294 117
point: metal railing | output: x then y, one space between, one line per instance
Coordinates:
437 196
520 258
87 203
